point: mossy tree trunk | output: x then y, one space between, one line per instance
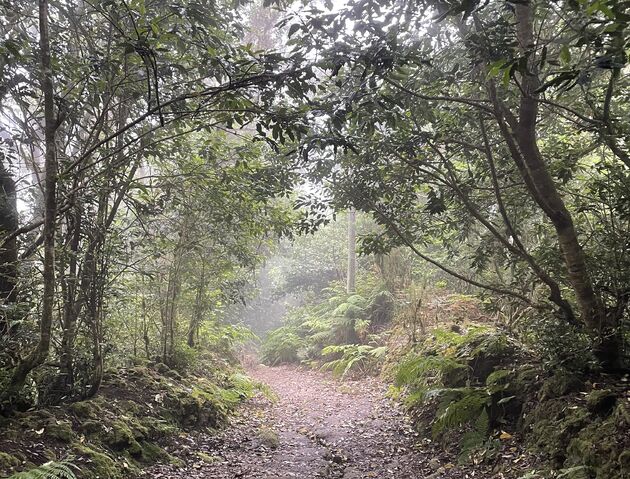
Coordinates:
39 354
519 130
9 248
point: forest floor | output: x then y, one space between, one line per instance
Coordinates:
317 428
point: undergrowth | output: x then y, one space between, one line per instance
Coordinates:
441 375
123 428
361 358
339 331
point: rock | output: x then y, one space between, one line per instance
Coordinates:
85 409
337 458
91 427
456 328
121 437
100 464
268 438
560 384
486 353
600 446
173 374
551 425
61 430
207 458
162 368
434 463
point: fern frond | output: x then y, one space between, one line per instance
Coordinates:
420 369
477 436
379 352
357 300
465 410
49 470
353 357
348 310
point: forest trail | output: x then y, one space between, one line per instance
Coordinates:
317 428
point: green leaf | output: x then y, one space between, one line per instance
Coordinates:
293 29
565 54
507 73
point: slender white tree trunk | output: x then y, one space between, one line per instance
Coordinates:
352 251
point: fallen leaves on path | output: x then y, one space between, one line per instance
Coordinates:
318 428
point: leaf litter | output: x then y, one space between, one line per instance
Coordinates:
317 427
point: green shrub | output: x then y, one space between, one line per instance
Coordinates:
381 307
336 319
470 408
421 372
184 358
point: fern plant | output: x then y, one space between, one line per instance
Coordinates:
281 346
420 372
476 436
468 409
354 357
444 378
49 470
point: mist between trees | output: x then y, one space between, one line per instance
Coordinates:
161 163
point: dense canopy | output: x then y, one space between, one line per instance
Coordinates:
331 175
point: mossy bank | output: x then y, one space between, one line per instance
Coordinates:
476 387
126 426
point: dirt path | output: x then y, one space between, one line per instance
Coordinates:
318 428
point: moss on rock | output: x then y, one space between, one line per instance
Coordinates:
485 353
98 464
560 384
578 440
115 432
119 436
551 425
600 447
268 438
86 409
162 368
207 458
61 430
91 427
157 427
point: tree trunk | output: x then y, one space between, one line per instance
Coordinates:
197 316
72 306
40 353
9 251
352 251
547 196
145 327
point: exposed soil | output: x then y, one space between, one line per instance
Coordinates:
317 428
